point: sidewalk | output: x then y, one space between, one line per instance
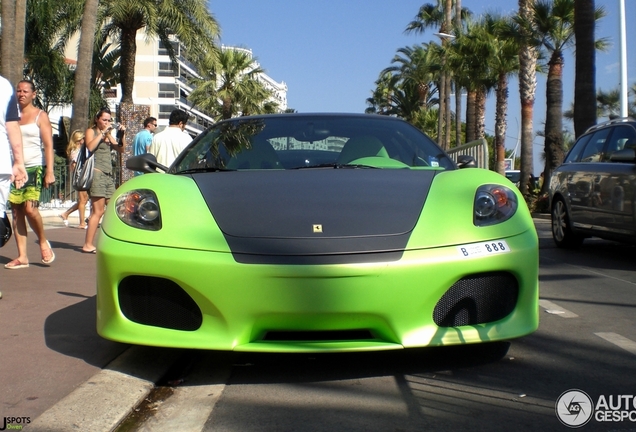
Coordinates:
47 316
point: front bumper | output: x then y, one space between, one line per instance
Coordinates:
242 305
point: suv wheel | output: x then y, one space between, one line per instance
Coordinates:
562 232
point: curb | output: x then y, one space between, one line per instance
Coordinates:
108 397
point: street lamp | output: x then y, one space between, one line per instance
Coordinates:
623 46
443 36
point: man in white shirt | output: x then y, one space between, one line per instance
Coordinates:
167 144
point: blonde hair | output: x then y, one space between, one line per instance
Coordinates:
73 142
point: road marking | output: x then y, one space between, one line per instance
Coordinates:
553 308
620 341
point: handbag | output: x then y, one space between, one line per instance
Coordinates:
83 173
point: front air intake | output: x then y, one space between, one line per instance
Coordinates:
318 335
477 299
158 302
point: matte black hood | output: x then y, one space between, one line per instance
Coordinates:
315 212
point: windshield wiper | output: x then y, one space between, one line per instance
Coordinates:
335 166
203 169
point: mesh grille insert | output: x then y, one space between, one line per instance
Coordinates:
477 299
158 302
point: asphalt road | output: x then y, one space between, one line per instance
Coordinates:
61 375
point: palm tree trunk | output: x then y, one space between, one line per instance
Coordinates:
585 78
458 88
447 114
127 63
500 123
527 91
471 104
553 122
480 113
20 26
440 121
458 115
82 89
9 63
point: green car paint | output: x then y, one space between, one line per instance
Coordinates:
239 303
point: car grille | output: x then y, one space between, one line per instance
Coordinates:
477 299
318 335
158 302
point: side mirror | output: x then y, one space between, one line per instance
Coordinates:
627 155
145 163
466 161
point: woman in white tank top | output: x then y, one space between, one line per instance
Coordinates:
37 141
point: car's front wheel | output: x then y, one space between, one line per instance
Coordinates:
562 232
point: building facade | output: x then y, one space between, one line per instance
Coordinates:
164 86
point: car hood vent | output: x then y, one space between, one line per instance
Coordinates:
316 211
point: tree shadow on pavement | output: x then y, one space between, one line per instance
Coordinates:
71 331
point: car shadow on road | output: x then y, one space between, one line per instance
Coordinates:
71 331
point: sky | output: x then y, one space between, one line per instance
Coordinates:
329 53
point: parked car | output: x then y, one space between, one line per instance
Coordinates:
315 232
593 192
514 176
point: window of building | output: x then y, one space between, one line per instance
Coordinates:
167 69
165 110
167 91
164 51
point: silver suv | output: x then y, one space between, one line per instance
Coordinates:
593 193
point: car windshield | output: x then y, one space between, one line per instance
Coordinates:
295 141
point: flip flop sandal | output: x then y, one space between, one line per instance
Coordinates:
64 220
52 258
16 264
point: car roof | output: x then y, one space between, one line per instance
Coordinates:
612 122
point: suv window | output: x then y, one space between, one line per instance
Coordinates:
621 135
594 148
574 154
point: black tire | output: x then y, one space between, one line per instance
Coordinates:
562 232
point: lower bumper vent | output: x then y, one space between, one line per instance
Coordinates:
318 335
158 302
477 299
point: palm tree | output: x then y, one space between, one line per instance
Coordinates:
81 89
13 32
553 25
230 87
501 53
435 16
380 100
49 26
189 21
417 65
608 104
527 89
585 78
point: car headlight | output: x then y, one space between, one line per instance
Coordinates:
139 209
493 204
